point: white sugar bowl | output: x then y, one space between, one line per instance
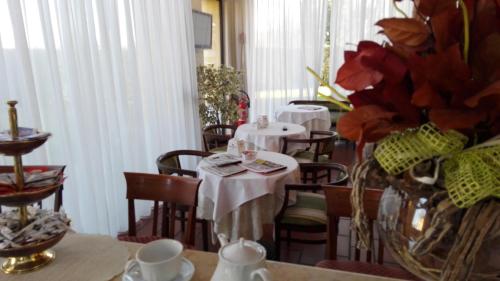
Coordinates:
262 122
242 260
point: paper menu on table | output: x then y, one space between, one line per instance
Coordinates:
263 166
222 159
225 171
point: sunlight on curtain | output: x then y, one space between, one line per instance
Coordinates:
354 20
284 36
113 81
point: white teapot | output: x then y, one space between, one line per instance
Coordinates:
242 260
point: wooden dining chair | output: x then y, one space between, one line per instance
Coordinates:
308 214
170 164
338 204
216 137
172 191
58 196
320 149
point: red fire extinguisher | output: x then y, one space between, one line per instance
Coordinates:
243 106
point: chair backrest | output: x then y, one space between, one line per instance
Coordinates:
337 174
338 204
320 143
217 135
170 164
172 190
330 105
326 148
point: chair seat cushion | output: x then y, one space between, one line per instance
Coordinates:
308 157
219 149
368 268
310 209
139 239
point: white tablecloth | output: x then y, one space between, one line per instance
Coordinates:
239 205
305 115
269 139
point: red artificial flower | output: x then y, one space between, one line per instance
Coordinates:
427 71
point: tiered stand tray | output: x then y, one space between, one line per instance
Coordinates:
17 142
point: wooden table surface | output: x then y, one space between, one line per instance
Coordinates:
205 263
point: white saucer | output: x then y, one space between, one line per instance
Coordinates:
187 271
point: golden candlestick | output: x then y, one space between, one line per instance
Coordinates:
18 161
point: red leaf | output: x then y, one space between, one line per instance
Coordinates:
447 119
445 71
367 97
350 125
398 96
368 46
375 130
427 96
410 32
493 89
368 66
433 7
485 60
401 51
447 29
348 55
387 63
486 21
353 75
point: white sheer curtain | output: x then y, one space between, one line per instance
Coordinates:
234 34
283 37
115 83
354 20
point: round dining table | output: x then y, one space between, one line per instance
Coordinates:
270 138
312 117
240 204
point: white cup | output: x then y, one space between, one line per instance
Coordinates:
159 260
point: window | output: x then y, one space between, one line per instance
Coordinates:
213 55
325 67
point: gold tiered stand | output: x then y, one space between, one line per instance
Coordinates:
31 256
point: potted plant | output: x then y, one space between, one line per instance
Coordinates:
219 94
429 98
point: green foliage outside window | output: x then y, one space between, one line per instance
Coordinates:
218 91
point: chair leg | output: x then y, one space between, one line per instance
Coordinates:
165 221
155 217
58 199
204 234
277 241
183 220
